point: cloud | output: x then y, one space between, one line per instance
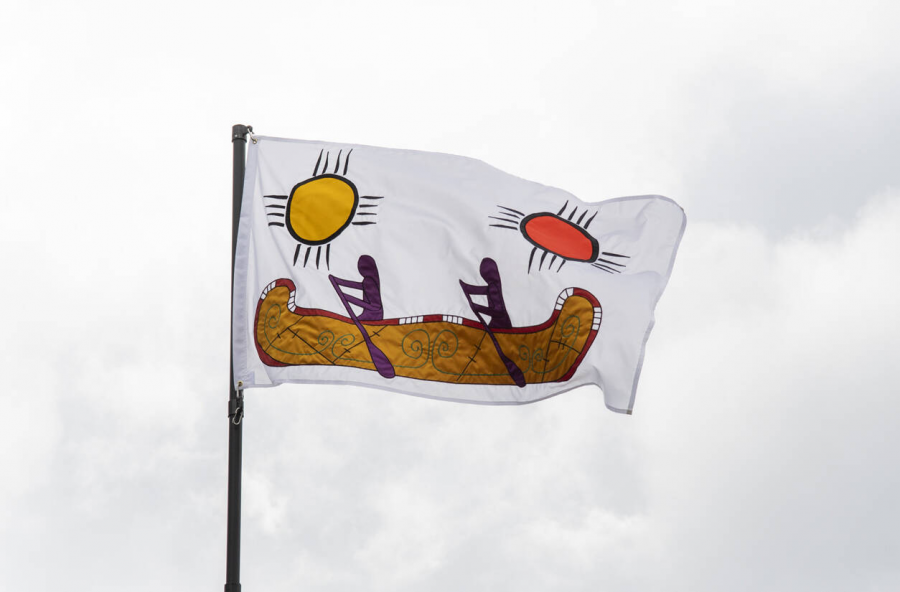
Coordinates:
772 443
762 451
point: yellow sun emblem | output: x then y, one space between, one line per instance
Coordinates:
320 208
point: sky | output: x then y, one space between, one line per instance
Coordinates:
763 450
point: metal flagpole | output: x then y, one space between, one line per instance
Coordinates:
236 397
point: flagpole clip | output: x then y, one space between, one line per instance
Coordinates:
236 408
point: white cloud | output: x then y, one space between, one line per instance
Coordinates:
762 451
772 443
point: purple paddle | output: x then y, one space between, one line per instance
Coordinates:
382 364
514 371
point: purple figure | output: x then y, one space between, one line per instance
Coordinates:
370 287
497 311
371 305
496 308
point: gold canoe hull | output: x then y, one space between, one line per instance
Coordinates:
441 348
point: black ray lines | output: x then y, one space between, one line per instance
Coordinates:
309 250
511 217
337 163
605 268
512 211
318 250
369 206
606 263
316 170
274 207
571 214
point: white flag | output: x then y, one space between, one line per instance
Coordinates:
441 276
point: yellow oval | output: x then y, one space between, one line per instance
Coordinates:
320 208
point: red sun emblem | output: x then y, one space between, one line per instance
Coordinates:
558 235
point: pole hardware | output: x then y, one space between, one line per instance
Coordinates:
239 132
236 408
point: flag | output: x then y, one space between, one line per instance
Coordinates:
440 276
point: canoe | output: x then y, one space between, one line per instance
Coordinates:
435 347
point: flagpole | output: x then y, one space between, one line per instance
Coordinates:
236 397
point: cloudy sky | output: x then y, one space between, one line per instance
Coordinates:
763 452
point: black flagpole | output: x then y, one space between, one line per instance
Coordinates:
236 397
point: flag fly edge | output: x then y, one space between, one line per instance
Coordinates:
640 365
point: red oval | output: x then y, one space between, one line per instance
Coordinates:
560 237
